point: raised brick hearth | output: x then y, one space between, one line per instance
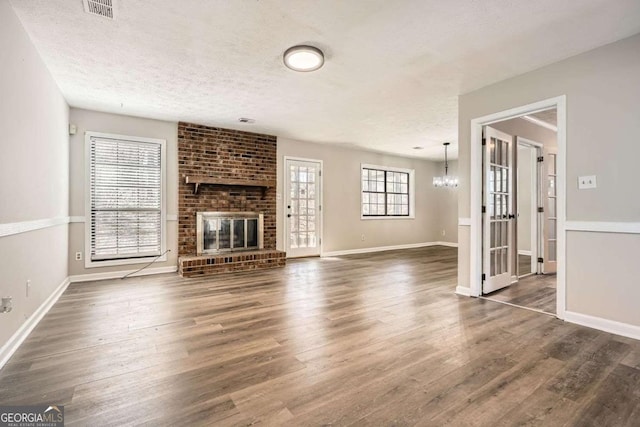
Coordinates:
230 262
229 156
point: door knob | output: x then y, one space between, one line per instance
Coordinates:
511 216
288 215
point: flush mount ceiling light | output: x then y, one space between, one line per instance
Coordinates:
303 58
446 180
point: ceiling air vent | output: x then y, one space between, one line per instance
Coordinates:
104 8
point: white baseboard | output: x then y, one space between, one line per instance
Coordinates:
463 290
448 244
118 274
618 328
385 248
23 332
523 252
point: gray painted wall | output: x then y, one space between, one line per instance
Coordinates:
87 120
436 209
343 227
34 172
447 206
603 99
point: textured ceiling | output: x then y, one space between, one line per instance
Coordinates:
391 78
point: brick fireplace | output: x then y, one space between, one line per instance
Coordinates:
223 170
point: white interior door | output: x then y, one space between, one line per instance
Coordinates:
550 209
498 207
529 198
303 198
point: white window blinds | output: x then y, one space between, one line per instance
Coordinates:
125 198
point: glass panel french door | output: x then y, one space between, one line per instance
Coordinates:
530 168
302 208
498 202
550 226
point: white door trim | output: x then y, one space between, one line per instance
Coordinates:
475 179
320 200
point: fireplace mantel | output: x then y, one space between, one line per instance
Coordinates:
199 180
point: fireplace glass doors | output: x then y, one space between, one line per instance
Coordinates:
225 232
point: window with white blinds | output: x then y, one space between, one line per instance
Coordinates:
125 197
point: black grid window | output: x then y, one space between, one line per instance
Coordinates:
385 193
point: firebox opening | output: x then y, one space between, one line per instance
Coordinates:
218 232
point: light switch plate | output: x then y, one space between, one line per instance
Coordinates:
585 182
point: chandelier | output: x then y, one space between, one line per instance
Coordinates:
446 180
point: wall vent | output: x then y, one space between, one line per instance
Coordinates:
104 8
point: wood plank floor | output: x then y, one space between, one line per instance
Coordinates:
377 339
537 292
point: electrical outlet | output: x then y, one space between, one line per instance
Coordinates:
362 237
444 232
28 290
78 256
7 305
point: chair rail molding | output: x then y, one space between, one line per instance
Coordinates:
9 229
603 226
464 222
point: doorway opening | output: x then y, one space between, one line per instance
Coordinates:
520 220
518 230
